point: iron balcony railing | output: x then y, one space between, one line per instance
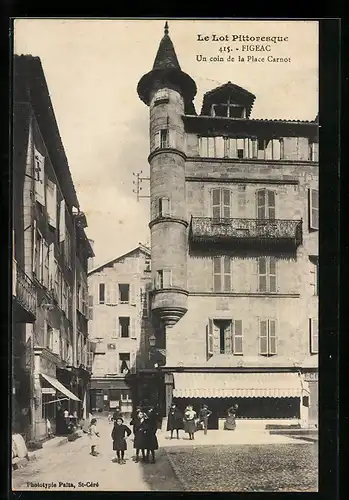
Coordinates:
26 292
208 229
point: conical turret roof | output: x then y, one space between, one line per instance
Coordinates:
166 57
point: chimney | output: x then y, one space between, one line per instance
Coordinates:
90 263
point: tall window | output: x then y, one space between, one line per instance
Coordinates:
49 337
314 336
124 327
124 363
224 337
124 293
313 151
164 138
38 256
266 204
267 274
46 276
315 273
67 249
267 337
313 209
163 207
163 278
90 307
221 203
222 274
207 146
101 293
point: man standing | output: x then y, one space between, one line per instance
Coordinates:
204 416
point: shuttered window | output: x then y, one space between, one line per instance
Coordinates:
222 274
267 337
163 278
221 203
101 293
265 204
313 209
314 335
267 274
164 209
224 336
39 175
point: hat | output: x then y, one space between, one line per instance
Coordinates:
119 418
205 406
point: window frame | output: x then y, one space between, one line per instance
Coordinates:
99 293
222 259
271 324
225 209
121 326
313 226
312 341
268 274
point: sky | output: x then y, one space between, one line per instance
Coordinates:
92 68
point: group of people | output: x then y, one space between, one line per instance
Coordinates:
189 421
145 424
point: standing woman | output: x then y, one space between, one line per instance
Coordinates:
139 430
190 421
119 434
174 420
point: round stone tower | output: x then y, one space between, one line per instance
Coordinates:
167 90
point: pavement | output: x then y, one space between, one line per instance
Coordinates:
69 466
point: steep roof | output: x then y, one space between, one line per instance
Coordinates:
140 248
229 89
166 57
30 87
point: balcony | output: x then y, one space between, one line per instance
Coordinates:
246 232
24 296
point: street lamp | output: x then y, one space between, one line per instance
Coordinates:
152 340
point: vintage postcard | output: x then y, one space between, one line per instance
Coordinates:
165 255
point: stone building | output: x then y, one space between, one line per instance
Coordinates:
119 325
234 248
50 252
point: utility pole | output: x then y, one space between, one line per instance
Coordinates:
137 182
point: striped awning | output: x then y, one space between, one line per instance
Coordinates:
237 385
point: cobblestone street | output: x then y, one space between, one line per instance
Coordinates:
181 465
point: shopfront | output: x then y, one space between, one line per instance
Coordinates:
266 396
107 394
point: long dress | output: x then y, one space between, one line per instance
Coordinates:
230 422
189 421
174 420
139 429
93 434
118 436
150 441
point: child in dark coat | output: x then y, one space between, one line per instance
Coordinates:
119 433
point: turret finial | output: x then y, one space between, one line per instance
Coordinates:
166 28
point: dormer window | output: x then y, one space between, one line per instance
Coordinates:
228 110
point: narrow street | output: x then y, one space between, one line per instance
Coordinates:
70 466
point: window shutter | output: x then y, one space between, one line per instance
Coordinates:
172 138
108 299
233 153
237 337
41 259
216 203
133 326
254 148
211 147
241 198
133 294
271 205
263 337
133 366
34 246
314 336
39 177
62 228
262 274
216 339
220 147
228 339
51 265
203 146
226 203
167 278
217 274
272 337
227 273
115 328
272 274
261 204
114 291
314 209
56 342
276 149
52 203
157 140
90 307
210 338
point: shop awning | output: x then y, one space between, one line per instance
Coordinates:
60 387
237 385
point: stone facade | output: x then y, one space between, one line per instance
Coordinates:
237 246
119 325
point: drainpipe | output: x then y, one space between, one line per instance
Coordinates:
74 297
